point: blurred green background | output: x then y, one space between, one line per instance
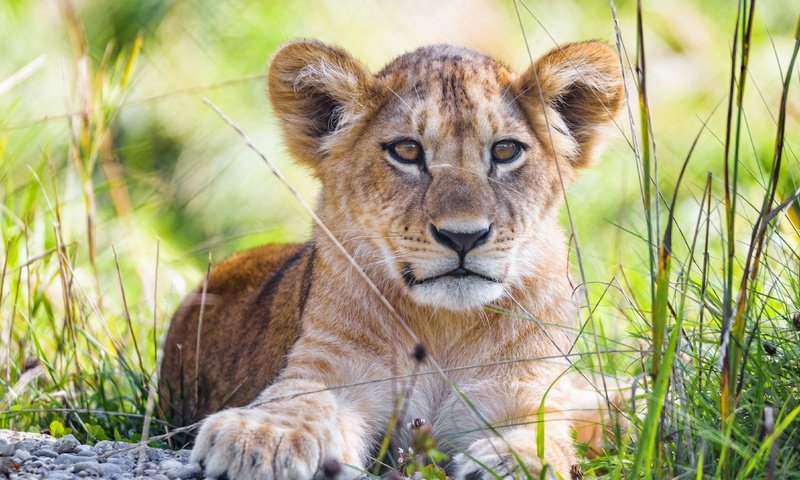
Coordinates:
169 175
192 183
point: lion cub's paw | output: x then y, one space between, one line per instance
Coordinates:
489 459
245 443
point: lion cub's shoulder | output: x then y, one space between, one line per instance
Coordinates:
215 356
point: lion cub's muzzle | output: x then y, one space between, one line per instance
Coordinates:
460 242
465 276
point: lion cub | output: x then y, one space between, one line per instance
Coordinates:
442 176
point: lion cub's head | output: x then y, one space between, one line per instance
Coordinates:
442 173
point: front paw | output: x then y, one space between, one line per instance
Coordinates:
244 443
492 458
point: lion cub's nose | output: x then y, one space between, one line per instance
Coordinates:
461 242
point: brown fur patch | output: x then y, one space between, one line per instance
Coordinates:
258 300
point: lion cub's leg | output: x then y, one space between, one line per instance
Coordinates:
573 404
295 425
286 434
514 452
510 456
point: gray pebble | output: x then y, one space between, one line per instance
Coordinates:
93 468
45 452
22 455
149 472
104 446
67 444
122 462
86 453
7 450
110 470
69 458
28 445
160 476
155 454
84 448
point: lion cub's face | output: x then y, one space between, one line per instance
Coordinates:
443 172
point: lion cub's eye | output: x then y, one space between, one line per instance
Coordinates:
405 151
505 151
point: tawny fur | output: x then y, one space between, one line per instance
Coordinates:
286 325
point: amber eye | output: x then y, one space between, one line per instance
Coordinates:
406 151
505 151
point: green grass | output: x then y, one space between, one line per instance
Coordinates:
685 237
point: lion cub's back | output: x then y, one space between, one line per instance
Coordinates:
251 319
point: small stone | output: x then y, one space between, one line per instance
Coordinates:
45 452
66 444
104 446
84 448
122 462
86 453
169 465
154 454
192 470
7 450
160 476
149 472
110 470
68 458
22 455
93 468
28 445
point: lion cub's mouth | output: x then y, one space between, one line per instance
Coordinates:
460 272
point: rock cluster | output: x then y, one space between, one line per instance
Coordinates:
30 455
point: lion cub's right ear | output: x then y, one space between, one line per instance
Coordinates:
318 92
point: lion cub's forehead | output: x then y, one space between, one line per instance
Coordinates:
445 68
446 86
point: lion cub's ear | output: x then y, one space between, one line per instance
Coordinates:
317 91
582 88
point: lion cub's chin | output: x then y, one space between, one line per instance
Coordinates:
457 293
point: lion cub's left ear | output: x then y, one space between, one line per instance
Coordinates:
582 88
317 91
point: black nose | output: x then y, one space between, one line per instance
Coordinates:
459 241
